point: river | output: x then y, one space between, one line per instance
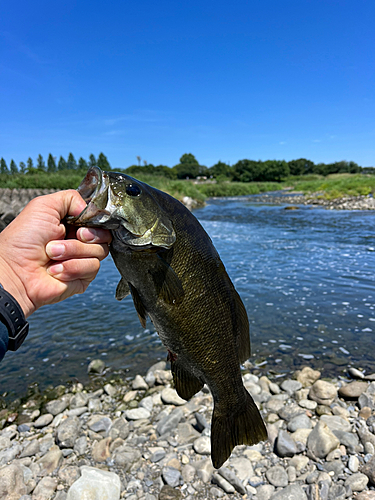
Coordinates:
306 277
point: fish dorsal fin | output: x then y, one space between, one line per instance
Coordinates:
243 334
138 304
122 289
168 284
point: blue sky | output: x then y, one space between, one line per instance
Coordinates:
223 80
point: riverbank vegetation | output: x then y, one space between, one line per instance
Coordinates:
189 178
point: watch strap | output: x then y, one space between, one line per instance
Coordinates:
12 316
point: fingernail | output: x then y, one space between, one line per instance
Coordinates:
88 235
56 269
55 250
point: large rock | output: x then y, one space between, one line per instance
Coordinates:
307 376
353 390
322 441
95 484
323 392
291 492
45 489
68 431
12 485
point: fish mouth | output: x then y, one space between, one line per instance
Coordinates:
94 189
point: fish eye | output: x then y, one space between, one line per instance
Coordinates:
133 190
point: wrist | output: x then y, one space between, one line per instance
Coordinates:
12 283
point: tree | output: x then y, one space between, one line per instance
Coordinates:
40 164
3 167
92 161
51 164
219 169
301 166
188 168
82 164
246 171
22 167
103 163
71 164
139 160
13 167
30 165
62 164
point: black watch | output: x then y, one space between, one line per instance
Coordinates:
13 318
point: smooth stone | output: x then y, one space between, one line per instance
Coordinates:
166 493
353 463
158 455
22 428
277 476
336 423
139 384
45 488
357 481
253 455
125 456
171 476
321 440
299 422
299 462
57 406
188 473
130 396
147 403
76 412
323 392
222 482
202 445
291 386
291 492
110 390
231 477
100 450
170 422
80 446
69 474
308 404
186 433
366 495
50 461
285 445
290 411
119 429
301 436
68 431
353 390
95 484
43 420
31 449
95 405
274 405
243 468
369 469
10 454
96 366
169 396
265 492
336 467
204 469
353 372
12 484
99 423
79 400
137 414
307 376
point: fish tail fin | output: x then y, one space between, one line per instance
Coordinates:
230 428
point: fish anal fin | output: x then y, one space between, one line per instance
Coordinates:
243 331
230 428
138 304
168 284
122 289
186 384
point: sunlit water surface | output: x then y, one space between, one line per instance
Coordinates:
306 277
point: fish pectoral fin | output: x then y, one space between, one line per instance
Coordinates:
230 428
168 285
186 384
138 304
122 289
242 330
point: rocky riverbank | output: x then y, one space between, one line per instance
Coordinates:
136 439
344 203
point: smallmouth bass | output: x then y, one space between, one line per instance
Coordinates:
175 276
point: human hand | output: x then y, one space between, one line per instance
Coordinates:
37 265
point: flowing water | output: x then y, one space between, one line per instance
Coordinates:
306 277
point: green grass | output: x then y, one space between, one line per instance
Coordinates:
237 188
336 185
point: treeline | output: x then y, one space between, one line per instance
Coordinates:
53 165
190 168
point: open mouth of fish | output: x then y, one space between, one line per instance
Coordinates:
100 209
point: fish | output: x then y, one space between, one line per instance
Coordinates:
175 276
